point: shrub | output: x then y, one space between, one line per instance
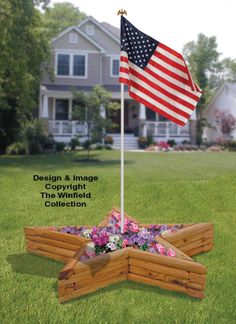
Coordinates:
74 142
142 142
35 136
150 140
171 142
60 146
108 140
86 144
232 146
108 147
17 148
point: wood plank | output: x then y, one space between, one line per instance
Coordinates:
102 260
168 261
44 240
201 279
85 275
165 285
167 278
47 248
188 231
92 288
194 238
64 237
49 255
194 245
200 249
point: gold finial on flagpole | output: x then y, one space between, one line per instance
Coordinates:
122 12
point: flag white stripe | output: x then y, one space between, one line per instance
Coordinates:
170 67
170 56
172 80
163 85
161 95
160 106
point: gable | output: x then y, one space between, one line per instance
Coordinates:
83 43
100 35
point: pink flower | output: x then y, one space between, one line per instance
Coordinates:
171 253
125 243
134 227
160 248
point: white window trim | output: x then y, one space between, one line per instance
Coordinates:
71 61
112 58
89 29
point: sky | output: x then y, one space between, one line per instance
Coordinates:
172 22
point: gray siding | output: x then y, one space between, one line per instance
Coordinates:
104 40
106 71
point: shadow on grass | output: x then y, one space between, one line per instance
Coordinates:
56 161
34 265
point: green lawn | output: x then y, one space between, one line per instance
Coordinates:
181 187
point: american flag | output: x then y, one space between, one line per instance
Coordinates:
157 76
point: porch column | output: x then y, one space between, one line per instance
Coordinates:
142 120
45 106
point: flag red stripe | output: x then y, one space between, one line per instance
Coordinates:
155 108
168 72
124 59
158 99
160 89
171 51
170 62
172 85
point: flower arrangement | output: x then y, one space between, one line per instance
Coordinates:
110 238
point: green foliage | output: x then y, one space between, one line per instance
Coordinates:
74 142
23 49
87 110
36 137
61 16
17 148
232 146
150 140
142 142
171 142
60 146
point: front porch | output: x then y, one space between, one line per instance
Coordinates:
56 109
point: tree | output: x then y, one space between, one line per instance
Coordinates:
61 16
23 49
87 110
203 60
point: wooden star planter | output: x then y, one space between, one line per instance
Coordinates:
177 272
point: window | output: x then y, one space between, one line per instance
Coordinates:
63 64
79 65
162 118
73 38
71 65
90 30
115 65
150 114
62 109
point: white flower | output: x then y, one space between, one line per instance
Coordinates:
86 233
90 245
114 238
111 246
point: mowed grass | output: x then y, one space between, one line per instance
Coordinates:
159 188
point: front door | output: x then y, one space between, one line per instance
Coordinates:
62 109
114 115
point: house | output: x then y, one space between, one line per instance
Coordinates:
86 55
220 114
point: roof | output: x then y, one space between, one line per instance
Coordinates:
229 86
114 30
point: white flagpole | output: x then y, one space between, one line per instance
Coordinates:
122 156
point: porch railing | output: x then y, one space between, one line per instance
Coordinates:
66 127
167 129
